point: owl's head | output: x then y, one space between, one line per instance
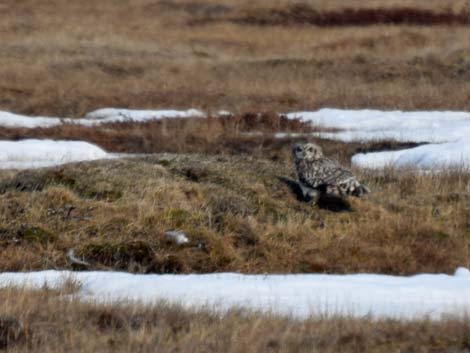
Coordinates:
308 151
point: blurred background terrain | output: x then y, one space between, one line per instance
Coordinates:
64 58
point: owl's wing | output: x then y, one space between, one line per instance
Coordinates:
323 172
334 173
328 172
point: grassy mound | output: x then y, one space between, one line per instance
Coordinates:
240 214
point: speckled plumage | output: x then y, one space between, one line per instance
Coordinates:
319 174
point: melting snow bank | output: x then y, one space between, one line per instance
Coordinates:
101 116
45 153
365 125
11 120
428 157
370 125
451 129
380 296
112 115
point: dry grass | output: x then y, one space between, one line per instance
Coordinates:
65 59
303 14
235 200
241 213
239 133
41 321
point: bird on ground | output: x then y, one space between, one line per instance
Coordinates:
320 175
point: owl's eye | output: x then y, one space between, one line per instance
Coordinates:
298 149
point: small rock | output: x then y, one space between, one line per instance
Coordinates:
177 237
77 263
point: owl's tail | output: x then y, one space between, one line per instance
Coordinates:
360 190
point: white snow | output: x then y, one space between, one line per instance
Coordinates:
451 129
11 120
462 271
370 125
448 131
367 125
113 115
44 153
432 157
224 114
379 296
101 116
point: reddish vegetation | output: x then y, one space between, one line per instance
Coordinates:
169 135
236 67
305 15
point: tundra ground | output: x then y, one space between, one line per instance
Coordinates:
64 59
230 189
43 321
240 208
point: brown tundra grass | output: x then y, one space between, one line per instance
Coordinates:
232 134
233 194
303 14
41 321
62 58
238 203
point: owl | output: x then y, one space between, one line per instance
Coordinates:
321 175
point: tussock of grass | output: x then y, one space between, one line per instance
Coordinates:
41 321
241 213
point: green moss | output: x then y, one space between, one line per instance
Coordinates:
178 217
107 195
36 235
440 235
60 177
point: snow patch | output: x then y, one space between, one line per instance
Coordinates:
113 115
379 296
26 154
372 125
97 117
462 272
432 157
11 120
